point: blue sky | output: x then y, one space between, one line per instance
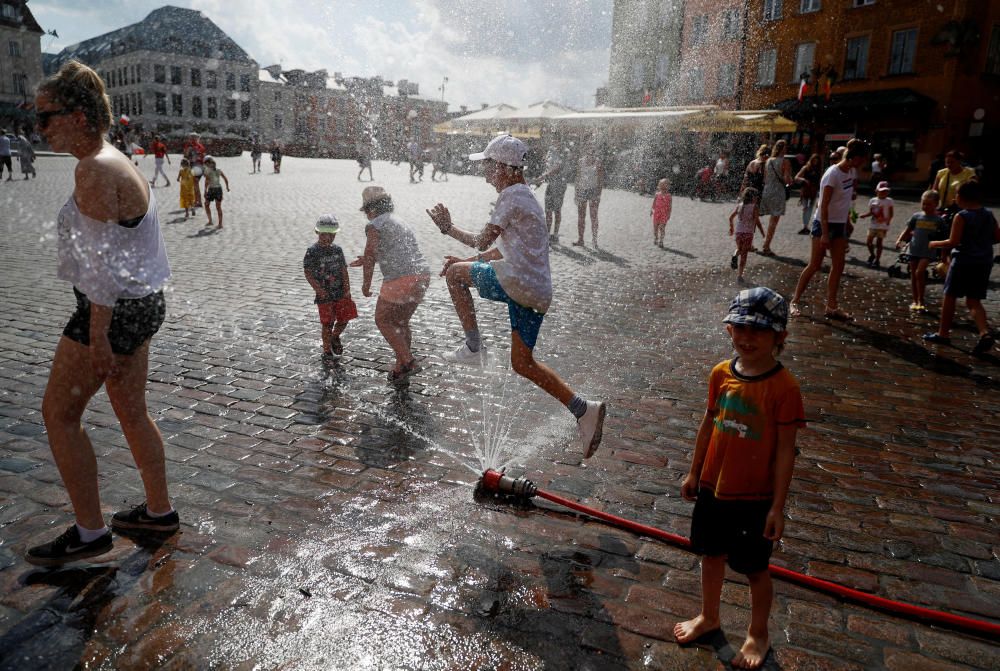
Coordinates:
514 51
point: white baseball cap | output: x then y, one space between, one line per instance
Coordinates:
505 149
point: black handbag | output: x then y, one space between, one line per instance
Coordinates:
788 187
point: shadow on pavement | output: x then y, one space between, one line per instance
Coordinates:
679 253
604 255
569 253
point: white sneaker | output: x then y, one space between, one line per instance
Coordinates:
464 356
590 427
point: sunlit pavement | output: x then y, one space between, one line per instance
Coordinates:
328 520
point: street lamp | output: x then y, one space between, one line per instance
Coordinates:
441 88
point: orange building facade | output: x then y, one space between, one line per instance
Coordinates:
711 54
916 78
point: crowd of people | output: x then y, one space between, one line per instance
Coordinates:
745 447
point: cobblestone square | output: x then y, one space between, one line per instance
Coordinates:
328 521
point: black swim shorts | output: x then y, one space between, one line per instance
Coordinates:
731 528
133 321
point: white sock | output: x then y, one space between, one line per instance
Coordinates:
90 535
155 515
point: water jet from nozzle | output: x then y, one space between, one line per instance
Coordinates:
496 482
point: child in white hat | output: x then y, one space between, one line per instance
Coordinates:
326 272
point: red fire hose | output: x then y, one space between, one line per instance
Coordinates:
497 482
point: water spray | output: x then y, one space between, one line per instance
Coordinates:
522 490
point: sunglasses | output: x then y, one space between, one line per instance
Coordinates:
44 117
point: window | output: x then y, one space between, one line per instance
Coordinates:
301 128
161 104
160 74
244 111
862 3
8 12
804 55
277 96
138 74
899 148
638 75
213 109
904 46
731 24
699 29
772 10
245 83
662 69
211 79
231 109
807 6
177 104
175 75
993 55
277 122
230 81
856 61
196 106
20 82
696 84
726 86
765 67
122 77
135 103
14 48
195 77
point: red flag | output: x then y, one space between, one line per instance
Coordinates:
803 85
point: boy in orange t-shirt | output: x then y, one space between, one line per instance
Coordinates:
742 468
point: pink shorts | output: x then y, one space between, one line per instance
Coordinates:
744 241
406 289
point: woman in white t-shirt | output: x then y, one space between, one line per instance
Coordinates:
831 227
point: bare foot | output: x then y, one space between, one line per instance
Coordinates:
685 632
752 653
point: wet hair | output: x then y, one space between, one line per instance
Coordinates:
749 195
380 206
779 145
971 192
763 150
931 194
76 87
856 148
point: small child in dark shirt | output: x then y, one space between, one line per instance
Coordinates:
326 271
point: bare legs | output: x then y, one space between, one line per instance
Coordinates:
772 226
581 219
70 387
393 322
754 650
838 252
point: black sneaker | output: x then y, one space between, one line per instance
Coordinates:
138 519
67 548
336 345
734 261
985 344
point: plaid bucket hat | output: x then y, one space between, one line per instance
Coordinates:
759 307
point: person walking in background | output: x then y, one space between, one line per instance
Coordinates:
213 189
777 179
831 228
808 179
26 155
589 185
741 469
255 152
974 231
515 272
556 179
365 162
662 207
747 220
111 249
5 155
194 151
753 175
878 170
880 210
948 179
159 154
276 156
405 276
326 271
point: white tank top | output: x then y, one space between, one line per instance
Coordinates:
108 261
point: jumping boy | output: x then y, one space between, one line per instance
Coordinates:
974 231
515 272
213 189
742 468
922 228
326 272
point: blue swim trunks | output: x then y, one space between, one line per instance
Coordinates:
525 321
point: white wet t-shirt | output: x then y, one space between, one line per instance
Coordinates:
523 272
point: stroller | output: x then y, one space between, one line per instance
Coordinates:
900 268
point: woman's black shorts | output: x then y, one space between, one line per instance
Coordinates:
731 528
133 321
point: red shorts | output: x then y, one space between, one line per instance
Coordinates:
342 310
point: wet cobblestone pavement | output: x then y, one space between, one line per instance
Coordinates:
327 520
